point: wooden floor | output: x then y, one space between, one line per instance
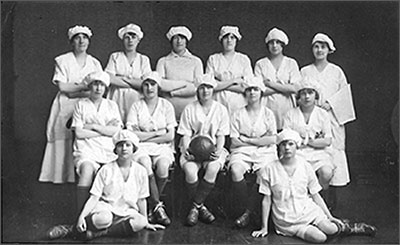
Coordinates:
29 208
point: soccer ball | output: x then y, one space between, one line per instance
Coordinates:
201 147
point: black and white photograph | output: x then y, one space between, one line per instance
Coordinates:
200 122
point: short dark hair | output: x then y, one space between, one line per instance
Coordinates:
315 91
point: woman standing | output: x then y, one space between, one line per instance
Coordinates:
229 68
179 70
253 137
70 71
335 98
152 119
279 73
126 69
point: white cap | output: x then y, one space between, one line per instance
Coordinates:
207 78
98 76
229 29
130 28
289 134
79 29
153 75
320 37
176 30
277 34
125 135
255 81
308 82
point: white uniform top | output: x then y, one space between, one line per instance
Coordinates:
163 117
291 203
118 64
241 124
174 67
116 195
98 149
333 81
318 126
195 122
67 70
239 66
287 73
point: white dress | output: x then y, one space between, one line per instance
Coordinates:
318 126
118 64
163 117
238 67
57 164
253 157
287 73
95 149
116 195
335 90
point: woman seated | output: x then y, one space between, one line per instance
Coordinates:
204 117
290 187
117 204
253 136
95 120
313 125
152 119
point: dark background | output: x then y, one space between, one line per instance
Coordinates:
366 35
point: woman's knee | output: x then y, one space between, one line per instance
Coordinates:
145 161
162 166
86 174
315 235
191 170
237 172
212 171
325 173
102 220
328 227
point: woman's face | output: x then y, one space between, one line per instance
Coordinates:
287 149
205 92
124 149
150 89
97 89
178 43
130 41
307 97
253 94
320 50
275 47
229 42
80 42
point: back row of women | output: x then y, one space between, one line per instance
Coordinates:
276 85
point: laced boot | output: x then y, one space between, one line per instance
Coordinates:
59 231
243 220
205 215
193 216
160 215
359 229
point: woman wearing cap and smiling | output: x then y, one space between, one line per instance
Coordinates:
336 99
70 71
126 69
279 73
229 68
179 69
152 119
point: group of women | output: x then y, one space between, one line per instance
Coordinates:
228 100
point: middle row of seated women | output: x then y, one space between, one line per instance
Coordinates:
252 129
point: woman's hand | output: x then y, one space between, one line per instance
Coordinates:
261 233
326 106
244 139
188 156
336 221
91 126
81 224
154 227
216 154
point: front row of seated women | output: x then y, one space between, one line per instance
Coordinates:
144 151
